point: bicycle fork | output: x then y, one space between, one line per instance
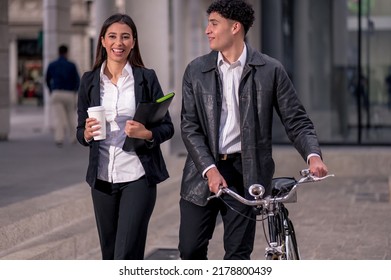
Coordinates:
274 250
282 240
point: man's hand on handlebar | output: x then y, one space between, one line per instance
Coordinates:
257 190
215 180
317 167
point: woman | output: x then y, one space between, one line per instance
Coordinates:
123 183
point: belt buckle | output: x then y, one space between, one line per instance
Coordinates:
224 157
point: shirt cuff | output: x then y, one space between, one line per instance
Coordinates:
149 143
206 170
310 156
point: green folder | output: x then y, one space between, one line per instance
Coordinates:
149 113
164 98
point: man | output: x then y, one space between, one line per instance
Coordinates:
227 108
62 79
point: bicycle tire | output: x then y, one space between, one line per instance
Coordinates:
283 243
291 248
271 257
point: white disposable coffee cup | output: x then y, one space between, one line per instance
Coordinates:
98 112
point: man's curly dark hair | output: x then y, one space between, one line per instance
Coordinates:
237 10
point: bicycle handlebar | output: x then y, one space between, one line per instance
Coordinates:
257 191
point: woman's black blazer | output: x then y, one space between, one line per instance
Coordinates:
147 88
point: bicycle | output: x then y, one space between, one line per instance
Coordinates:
281 237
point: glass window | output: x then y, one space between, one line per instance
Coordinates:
369 70
338 56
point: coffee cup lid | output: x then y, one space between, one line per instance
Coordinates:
95 108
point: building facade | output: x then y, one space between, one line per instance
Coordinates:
335 51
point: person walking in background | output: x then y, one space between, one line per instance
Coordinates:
123 183
228 98
63 80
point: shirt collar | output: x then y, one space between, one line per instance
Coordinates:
127 69
242 58
125 72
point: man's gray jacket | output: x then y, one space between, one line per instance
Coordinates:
264 85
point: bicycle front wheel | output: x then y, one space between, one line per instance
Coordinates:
283 243
291 247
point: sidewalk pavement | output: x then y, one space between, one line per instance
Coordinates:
346 217
31 164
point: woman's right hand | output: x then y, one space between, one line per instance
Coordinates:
92 125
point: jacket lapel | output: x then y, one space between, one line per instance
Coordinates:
95 90
138 83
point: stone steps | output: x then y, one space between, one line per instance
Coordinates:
75 241
58 225
61 224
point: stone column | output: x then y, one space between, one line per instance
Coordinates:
13 70
101 10
178 65
302 68
271 21
339 93
152 21
255 32
4 72
57 31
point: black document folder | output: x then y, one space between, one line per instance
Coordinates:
148 113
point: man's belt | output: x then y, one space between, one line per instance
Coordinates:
229 156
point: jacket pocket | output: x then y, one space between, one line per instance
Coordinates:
194 188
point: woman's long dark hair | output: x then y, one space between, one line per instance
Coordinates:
134 57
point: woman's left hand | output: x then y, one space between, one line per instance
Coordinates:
135 129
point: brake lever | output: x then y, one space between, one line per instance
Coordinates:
324 177
311 178
218 194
